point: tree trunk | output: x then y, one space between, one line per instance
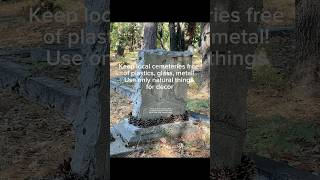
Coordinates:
120 51
177 41
173 38
160 36
205 51
230 86
308 46
190 33
180 38
91 154
150 36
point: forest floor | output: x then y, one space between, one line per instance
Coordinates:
284 125
34 139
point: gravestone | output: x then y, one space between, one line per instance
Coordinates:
169 92
157 111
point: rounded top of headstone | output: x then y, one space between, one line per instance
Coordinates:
167 53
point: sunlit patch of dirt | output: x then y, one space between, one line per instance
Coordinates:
193 145
120 107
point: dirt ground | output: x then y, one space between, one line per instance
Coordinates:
285 126
35 140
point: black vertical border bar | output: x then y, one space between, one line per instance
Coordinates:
107 108
211 80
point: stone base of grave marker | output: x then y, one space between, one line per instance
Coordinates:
120 149
133 136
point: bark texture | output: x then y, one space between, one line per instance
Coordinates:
177 40
308 45
150 36
205 50
229 88
91 155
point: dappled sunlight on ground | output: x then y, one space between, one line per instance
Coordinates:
193 145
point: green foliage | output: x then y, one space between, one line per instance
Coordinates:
163 36
127 35
130 36
277 136
38 66
197 105
267 76
197 39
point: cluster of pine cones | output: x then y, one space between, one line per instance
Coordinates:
245 171
158 121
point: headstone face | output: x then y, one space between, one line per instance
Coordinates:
169 90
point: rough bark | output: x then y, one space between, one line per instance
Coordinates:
160 36
190 33
308 46
91 155
180 37
229 91
173 40
205 50
177 41
150 35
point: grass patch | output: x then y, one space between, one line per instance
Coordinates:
198 105
278 136
38 66
267 76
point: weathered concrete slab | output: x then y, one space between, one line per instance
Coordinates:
119 149
44 90
12 19
272 170
133 135
199 117
12 74
53 54
121 89
54 94
24 52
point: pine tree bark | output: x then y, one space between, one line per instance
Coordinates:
173 37
150 35
91 154
229 88
180 37
190 33
177 40
308 46
205 50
